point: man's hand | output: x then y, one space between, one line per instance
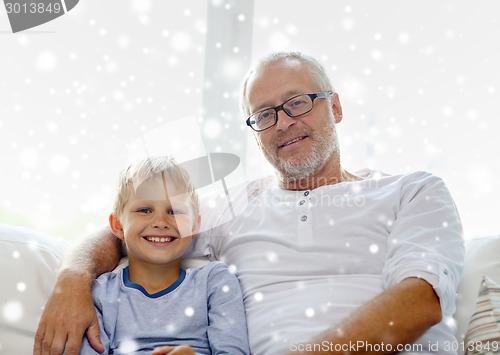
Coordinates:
173 350
68 315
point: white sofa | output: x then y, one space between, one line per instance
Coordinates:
28 263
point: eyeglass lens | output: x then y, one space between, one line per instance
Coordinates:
296 106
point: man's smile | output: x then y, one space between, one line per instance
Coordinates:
293 141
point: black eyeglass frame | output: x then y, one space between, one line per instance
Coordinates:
312 96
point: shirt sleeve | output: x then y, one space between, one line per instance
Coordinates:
86 348
227 327
426 240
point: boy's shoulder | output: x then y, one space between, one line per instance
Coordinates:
107 283
112 276
213 270
208 267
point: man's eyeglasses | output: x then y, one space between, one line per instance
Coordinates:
293 107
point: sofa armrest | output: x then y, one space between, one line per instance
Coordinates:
28 267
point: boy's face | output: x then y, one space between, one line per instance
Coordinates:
157 222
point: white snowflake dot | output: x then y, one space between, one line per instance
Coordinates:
310 312
232 268
46 61
128 346
404 37
189 311
21 287
450 322
376 55
347 24
212 129
181 41
271 256
374 248
12 311
258 296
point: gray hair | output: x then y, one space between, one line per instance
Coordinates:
317 71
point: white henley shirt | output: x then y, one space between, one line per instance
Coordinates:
307 259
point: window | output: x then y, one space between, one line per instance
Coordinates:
419 92
76 91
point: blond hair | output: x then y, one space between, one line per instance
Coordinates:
317 72
137 173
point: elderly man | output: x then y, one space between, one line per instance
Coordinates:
329 261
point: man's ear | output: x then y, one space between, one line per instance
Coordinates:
336 107
116 226
196 227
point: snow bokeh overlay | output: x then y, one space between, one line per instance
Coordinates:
419 85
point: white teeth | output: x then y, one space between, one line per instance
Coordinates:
292 141
159 239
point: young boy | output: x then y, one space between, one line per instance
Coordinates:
154 302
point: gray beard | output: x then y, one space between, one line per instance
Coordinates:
298 169
304 166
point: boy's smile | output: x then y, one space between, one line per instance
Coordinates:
159 239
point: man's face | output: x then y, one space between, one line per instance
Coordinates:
296 147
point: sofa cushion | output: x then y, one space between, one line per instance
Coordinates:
483 332
28 263
482 258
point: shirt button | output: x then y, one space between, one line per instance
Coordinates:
303 218
302 202
445 271
306 193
